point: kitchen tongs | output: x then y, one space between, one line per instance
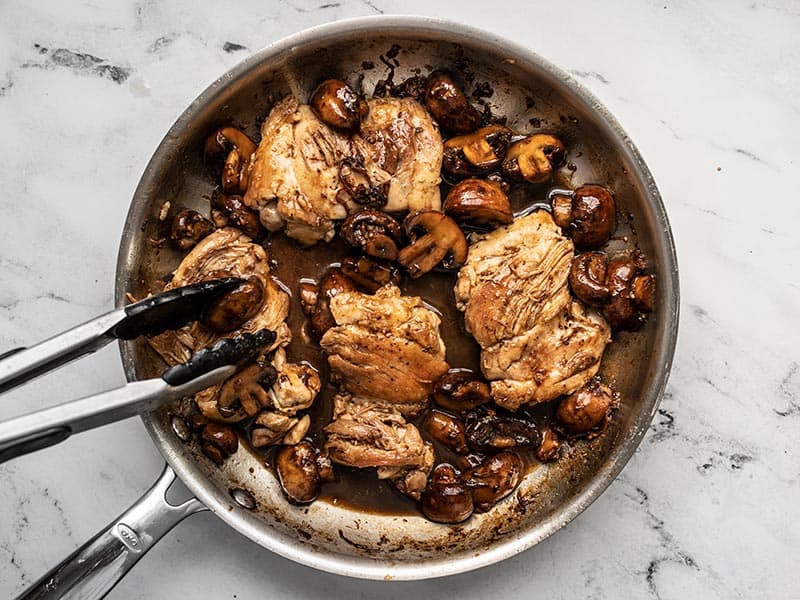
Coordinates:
154 315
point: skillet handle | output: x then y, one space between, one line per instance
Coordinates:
93 570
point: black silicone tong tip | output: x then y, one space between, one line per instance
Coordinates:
172 309
229 351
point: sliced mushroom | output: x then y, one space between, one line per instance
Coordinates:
234 308
239 149
628 299
370 274
492 480
231 210
435 238
548 448
309 295
478 202
588 216
487 430
446 430
445 498
298 431
534 158
373 232
477 152
325 468
243 395
338 105
460 391
334 282
298 473
269 427
587 278
356 181
587 409
188 228
449 106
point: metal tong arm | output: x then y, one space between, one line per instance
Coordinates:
23 364
153 315
49 426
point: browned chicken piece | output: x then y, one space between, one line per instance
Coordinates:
294 179
228 252
295 172
366 433
385 346
400 147
537 343
555 357
514 277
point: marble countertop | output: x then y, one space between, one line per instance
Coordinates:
707 507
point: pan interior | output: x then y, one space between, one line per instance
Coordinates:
536 97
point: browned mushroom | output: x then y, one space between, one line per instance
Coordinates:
231 210
188 228
445 498
534 158
549 446
488 430
325 468
333 283
435 238
221 436
477 152
373 232
448 104
446 430
244 394
586 409
338 105
628 297
234 308
355 180
460 391
478 202
587 278
239 148
370 274
492 480
588 215
298 472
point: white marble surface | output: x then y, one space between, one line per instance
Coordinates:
708 506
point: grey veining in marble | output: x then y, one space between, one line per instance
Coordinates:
708 506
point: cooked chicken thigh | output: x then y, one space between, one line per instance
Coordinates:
295 181
385 346
228 252
537 343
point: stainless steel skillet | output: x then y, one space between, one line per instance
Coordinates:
536 96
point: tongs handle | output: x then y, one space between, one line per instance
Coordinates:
40 429
151 316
